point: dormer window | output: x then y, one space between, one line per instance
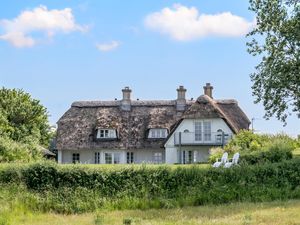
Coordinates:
106 134
158 133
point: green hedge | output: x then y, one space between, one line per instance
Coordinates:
271 156
65 188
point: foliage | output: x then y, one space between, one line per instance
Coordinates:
271 213
245 140
276 38
22 118
76 189
259 148
215 154
12 151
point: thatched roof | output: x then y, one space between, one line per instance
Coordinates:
76 128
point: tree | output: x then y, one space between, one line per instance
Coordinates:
276 38
22 118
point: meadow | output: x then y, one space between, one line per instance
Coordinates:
267 213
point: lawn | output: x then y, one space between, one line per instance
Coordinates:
283 213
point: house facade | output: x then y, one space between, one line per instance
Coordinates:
133 131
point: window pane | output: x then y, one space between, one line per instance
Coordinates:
158 133
190 156
130 157
157 157
108 158
117 158
207 131
97 157
75 158
198 131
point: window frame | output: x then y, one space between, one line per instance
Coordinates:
130 157
158 157
106 134
198 130
97 157
75 158
207 134
115 157
158 133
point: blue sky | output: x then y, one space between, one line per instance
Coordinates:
92 49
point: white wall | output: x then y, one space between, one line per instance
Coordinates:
188 124
202 152
88 156
171 155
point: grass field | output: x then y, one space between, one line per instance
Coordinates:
272 213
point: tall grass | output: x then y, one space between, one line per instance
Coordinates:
48 187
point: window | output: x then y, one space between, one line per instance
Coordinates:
198 131
76 158
207 131
186 131
97 157
190 157
130 157
108 158
158 133
117 158
158 157
112 158
106 134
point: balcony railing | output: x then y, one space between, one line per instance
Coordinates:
191 138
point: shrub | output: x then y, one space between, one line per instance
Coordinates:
77 189
215 154
246 140
12 151
256 148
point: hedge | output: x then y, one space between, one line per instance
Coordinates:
271 156
142 187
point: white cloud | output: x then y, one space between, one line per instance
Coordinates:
183 24
106 47
18 31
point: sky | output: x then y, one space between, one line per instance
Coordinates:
61 51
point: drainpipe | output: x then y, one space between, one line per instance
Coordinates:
180 153
223 139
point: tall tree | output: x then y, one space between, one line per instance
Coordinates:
22 118
276 39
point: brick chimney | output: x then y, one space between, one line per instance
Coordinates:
126 101
181 101
208 90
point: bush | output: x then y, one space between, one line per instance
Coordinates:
215 154
12 151
256 148
77 189
246 140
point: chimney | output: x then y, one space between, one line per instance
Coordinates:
126 101
181 101
208 90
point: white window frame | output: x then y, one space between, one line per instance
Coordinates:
97 157
207 131
106 133
158 133
75 157
203 131
198 130
115 157
158 157
130 157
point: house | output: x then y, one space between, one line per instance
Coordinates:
136 131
